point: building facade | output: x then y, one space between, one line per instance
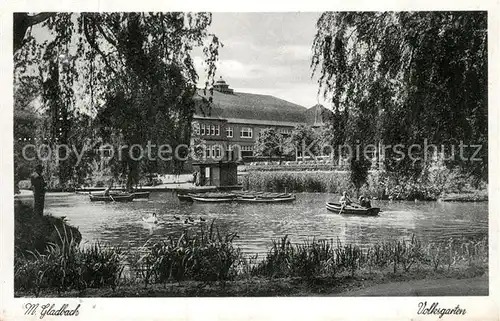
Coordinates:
227 120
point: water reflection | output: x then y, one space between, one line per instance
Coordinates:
121 224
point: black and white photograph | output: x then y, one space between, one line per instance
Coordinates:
188 154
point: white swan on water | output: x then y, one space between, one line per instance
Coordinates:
151 219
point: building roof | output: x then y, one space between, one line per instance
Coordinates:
248 106
220 81
317 115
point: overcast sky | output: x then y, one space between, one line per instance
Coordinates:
263 53
267 53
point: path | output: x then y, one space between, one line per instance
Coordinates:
477 286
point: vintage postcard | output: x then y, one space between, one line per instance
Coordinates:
284 163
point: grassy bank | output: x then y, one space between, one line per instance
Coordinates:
443 284
379 184
472 196
35 233
48 256
206 263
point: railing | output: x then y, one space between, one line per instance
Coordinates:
291 166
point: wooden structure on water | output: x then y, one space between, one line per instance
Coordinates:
219 174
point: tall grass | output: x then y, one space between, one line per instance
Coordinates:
328 257
34 232
380 184
305 181
64 266
208 256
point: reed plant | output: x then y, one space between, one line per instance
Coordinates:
102 266
208 255
430 185
304 181
64 266
326 257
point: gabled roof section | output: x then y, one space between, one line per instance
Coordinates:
247 106
318 115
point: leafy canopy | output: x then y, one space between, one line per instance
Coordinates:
403 77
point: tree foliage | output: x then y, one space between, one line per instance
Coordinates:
403 77
134 71
304 141
270 143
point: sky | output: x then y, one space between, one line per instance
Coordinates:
263 53
266 53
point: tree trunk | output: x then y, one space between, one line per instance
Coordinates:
133 175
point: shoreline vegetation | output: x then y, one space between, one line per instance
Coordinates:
207 263
441 184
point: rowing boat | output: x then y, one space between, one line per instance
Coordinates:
260 195
184 197
240 197
141 195
111 198
200 198
355 210
278 199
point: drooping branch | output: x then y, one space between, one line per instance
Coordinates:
105 35
92 42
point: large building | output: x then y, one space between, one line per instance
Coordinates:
225 118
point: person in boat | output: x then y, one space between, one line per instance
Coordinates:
345 200
364 202
196 179
361 201
368 204
108 189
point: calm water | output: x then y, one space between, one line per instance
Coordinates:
120 224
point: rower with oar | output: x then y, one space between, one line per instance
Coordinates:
107 191
344 201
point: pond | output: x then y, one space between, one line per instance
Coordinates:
120 224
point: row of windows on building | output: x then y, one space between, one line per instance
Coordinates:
216 151
214 130
245 132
